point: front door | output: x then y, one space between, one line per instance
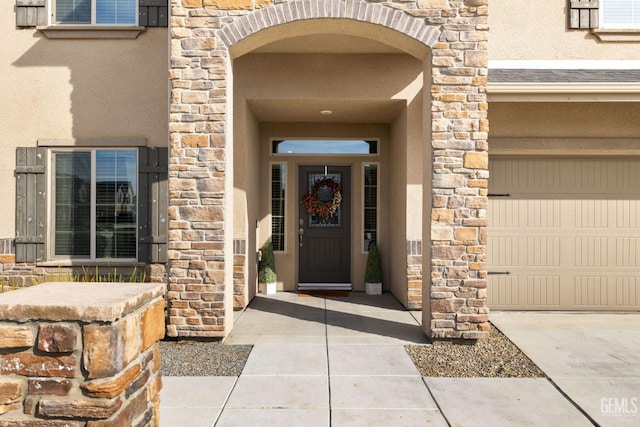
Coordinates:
324 227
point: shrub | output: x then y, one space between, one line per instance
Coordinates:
267 265
374 269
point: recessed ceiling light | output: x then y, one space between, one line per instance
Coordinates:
326 112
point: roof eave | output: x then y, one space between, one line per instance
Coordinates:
564 92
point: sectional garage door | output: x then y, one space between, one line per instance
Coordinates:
564 234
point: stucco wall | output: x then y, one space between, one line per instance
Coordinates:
538 30
398 210
76 89
246 198
562 119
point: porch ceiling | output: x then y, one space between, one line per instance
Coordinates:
343 110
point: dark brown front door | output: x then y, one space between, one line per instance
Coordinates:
325 240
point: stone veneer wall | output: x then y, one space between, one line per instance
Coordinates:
76 354
457 296
202 31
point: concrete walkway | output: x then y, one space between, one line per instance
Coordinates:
340 362
592 357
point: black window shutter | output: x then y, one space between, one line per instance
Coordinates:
31 204
153 204
153 13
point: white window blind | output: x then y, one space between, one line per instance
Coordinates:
116 11
620 14
101 12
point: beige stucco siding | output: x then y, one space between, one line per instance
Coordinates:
538 30
562 119
74 89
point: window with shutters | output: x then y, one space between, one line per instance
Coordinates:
620 14
92 18
97 12
93 204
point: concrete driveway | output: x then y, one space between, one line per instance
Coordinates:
593 358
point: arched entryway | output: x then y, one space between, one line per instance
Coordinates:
381 72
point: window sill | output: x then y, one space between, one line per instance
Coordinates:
617 35
90 32
89 263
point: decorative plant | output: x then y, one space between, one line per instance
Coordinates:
373 273
324 207
267 265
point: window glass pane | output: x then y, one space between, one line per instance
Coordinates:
278 180
114 204
73 11
72 201
116 212
116 11
370 205
316 146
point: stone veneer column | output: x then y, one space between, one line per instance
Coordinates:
81 354
198 256
456 303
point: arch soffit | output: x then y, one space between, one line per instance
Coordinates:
358 18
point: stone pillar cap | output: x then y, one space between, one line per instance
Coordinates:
103 302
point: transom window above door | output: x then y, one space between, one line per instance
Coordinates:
97 12
325 146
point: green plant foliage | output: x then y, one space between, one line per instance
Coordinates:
374 269
267 265
87 275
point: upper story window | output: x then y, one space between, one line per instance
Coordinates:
621 14
96 12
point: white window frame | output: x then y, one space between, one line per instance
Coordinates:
604 25
55 21
51 205
284 231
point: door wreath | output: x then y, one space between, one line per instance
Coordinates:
324 198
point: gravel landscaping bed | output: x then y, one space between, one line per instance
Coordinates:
202 358
494 356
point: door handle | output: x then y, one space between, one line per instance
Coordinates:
300 234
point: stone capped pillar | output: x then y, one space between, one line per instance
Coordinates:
81 354
455 304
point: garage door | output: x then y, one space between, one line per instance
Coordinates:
564 234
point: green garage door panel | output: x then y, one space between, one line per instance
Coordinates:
568 234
